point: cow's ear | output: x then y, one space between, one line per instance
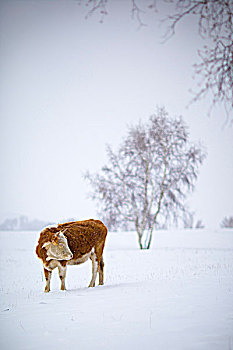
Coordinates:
61 236
46 245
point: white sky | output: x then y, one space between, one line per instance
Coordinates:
69 86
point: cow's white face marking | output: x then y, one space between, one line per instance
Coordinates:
59 250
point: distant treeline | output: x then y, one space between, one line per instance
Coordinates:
23 223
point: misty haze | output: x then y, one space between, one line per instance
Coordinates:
120 111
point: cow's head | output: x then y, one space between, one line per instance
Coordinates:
58 248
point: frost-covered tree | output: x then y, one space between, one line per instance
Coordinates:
149 175
227 222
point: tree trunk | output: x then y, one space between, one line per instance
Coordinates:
140 230
146 245
150 239
140 240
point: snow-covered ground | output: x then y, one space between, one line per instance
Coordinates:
178 295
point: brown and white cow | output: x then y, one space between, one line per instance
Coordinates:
72 243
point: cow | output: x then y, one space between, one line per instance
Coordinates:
72 243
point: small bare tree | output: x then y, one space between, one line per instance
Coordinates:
189 221
149 175
227 222
199 224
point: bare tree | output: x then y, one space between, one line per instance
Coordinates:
215 23
101 7
150 174
227 222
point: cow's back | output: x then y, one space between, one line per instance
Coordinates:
82 236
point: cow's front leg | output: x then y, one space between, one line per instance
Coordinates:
94 269
48 275
62 275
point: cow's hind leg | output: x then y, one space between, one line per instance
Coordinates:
48 275
94 269
62 275
99 254
101 271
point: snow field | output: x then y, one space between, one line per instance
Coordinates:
178 295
